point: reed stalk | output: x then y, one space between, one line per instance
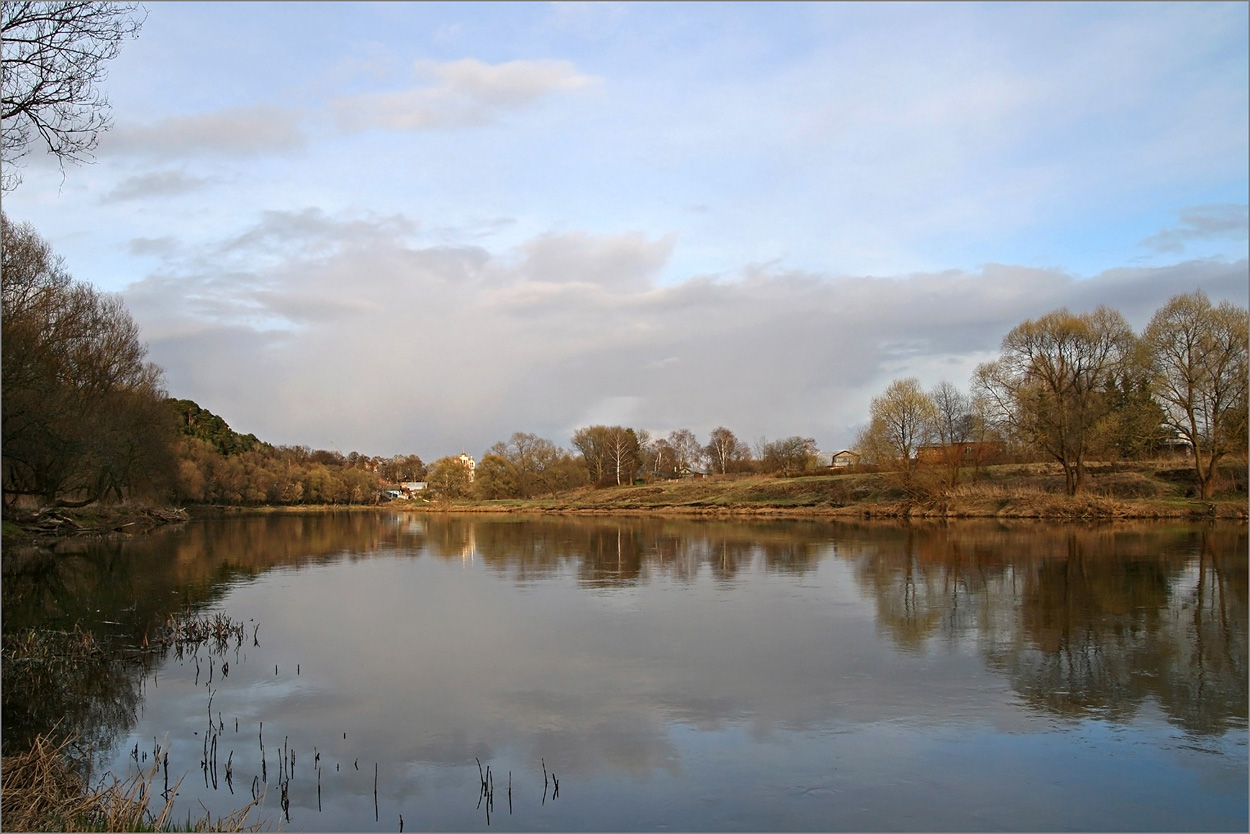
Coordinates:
48 788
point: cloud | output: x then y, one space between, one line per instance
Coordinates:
612 260
380 342
257 130
311 229
155 184
1223 221
165 246
463 93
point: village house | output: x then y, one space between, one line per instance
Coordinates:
967 454
845 458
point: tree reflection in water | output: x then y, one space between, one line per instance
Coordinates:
1081 620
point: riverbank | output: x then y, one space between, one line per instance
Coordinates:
1138 490
49 524
1023 491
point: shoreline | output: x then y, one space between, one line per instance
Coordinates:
1155 490
1018 492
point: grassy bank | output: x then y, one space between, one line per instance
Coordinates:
1131 490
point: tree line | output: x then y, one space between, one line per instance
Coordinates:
528 466
83 412
85 416
1069 387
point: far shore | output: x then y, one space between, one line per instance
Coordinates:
1117 491
1137 490
1016 491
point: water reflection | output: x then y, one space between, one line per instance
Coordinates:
628 551
1080 620
594 643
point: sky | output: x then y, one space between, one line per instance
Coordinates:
403 228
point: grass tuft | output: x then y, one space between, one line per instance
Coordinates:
48 788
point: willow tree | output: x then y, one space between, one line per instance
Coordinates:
1049 387
902 420
1199 357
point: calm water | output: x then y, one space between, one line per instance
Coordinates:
670 675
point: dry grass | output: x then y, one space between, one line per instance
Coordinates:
1022 490
47 788
189 630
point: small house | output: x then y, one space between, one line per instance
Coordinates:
845 458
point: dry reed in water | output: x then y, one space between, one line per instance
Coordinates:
47 788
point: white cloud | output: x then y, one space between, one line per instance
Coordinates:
1227 221
510 84
466 92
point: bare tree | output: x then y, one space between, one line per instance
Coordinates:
54 55
612 453
1199 358
623 453
902 420
788 456
528 465
724 450
686 448
663 458
591 441
953 426
1049 387
401 468
83 410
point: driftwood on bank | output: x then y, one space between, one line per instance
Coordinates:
60 522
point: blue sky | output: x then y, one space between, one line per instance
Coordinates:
421 227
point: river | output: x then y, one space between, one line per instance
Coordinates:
637 674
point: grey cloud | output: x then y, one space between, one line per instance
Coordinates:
258 130
212 359
463 93
312 230
397 347
156 184
1224 221
611 261
308 308
164 246
302 267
